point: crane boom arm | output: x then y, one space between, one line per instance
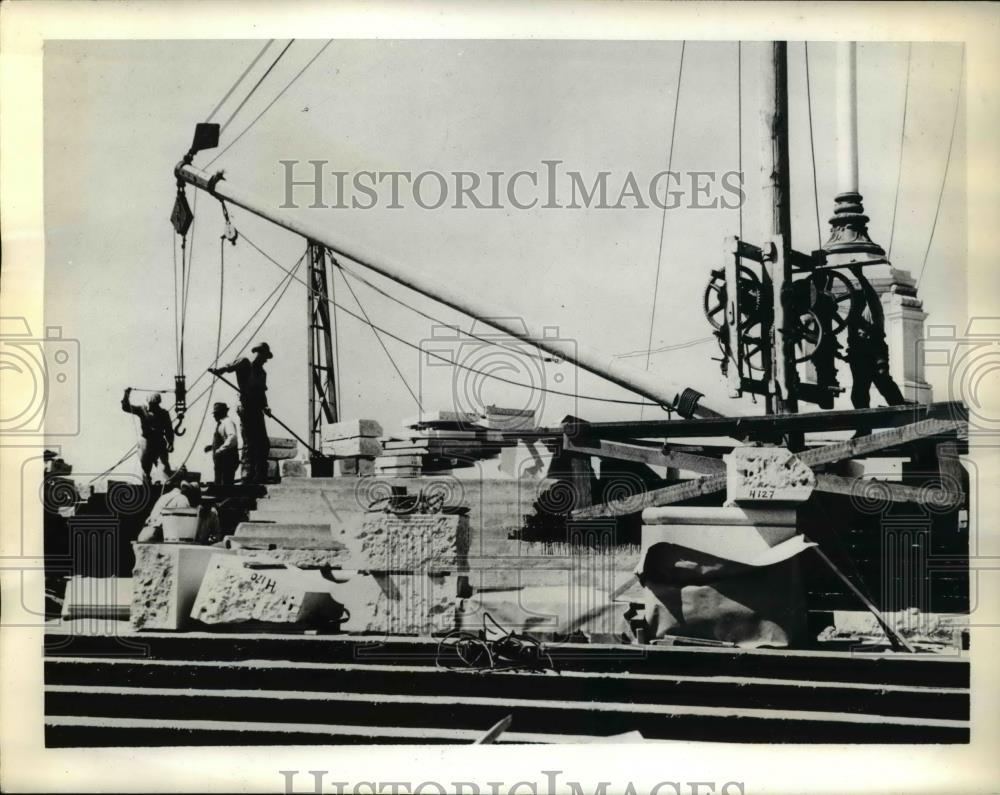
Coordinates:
651 386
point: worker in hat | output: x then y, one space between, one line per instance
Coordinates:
251 379
156 433
224 450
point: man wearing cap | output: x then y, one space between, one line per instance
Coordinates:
252 382
223 448
157 433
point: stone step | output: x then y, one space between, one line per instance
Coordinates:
759 693
422 711
83 732
814 665
286 529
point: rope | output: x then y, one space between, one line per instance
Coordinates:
268 107
284 280
256 85
382 343
902 140
484 654
177 309
947 164
218 345
812 149
663 216
445 359
239 79
186 286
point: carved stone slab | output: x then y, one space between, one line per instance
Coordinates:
767 474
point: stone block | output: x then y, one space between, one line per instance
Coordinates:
281 442
409 543
365 446
107 598
354 466
384 461
272 470
767 474
336 431
282 453
236 590
165 582
294 468
399 604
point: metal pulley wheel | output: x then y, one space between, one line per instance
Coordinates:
750 295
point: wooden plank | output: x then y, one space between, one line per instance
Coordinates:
652 456
828 454
894 492
775 424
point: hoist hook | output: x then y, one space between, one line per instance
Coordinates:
230 233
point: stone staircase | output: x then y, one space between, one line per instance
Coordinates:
164 689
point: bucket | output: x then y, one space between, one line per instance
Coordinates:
180 524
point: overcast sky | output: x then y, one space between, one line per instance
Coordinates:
119 115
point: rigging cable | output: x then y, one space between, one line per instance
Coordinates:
256 85
947 163
239 79
268 107
283 284
336 345
902 141
445 359
379 338
218 344
812 149
434 319
663 217
739 125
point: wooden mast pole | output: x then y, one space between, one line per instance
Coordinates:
777 223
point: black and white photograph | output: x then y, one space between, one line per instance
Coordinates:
372 396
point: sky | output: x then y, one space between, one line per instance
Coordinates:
120 114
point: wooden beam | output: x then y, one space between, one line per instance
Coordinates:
817 456
771 425
894 492
653 456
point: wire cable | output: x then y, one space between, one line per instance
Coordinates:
239 79
902 141
812 149
663 216
947 163
381 342
739 124
445 359
256 85
428 316
268 107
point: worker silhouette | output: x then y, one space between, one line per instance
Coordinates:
224 449
156 440
868 352
252 382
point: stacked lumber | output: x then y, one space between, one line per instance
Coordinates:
442 440
353 445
